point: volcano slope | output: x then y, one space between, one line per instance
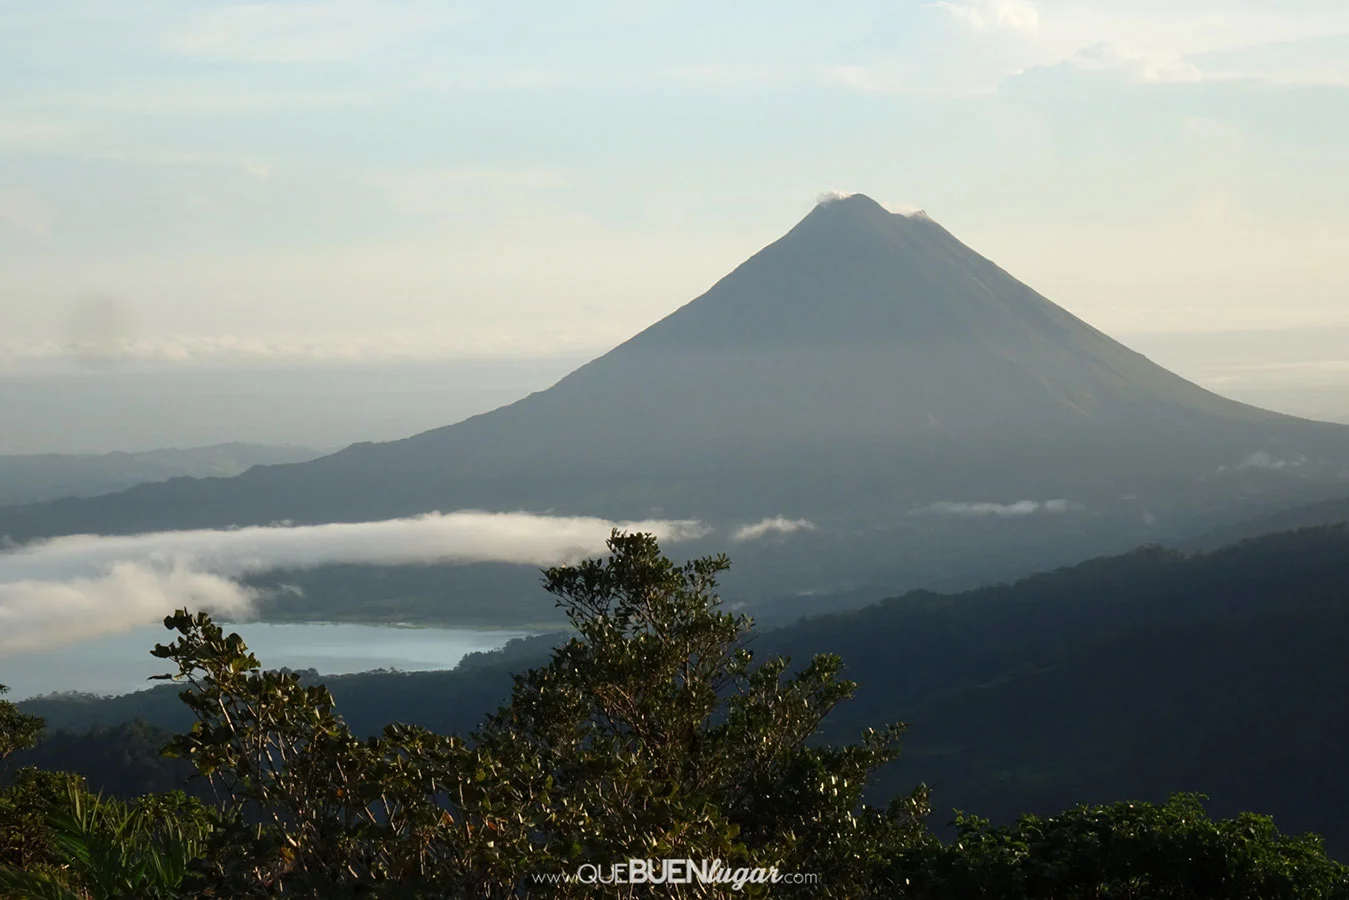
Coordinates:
868 372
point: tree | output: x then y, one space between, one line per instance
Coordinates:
652 734
25 836
27 839
18 731
104 848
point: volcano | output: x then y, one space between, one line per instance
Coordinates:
868 372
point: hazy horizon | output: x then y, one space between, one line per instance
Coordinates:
72 407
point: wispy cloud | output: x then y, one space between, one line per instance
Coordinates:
1318 60
199 97
1303 371
992 15
440 190
336 31
1138 66
774 525
342 347
40 614
71 588
731 75
984 510
1262 460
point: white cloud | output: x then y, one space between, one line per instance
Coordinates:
1156 68
69 588
774 525
992 15
1165 42
36 614
997 510
1144 42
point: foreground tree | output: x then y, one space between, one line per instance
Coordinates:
18 730
28 797
652 734
1130 851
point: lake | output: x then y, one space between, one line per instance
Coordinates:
121 663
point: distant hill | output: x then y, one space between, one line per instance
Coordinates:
931 416
1124 677
47 476
1289 518
1129 676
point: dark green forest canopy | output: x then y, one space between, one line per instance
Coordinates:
1132 676
1136 676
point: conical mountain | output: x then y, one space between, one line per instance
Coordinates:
864 368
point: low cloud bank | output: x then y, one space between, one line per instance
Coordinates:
72 588
37 615
765 527
998 510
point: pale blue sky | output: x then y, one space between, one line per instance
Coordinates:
341 179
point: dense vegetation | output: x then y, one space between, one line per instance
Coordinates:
658 730
1135 676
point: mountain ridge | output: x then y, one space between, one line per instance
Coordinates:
35 477
862 368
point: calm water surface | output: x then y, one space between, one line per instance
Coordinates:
120 663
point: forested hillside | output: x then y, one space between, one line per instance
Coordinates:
1130 676
663 729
